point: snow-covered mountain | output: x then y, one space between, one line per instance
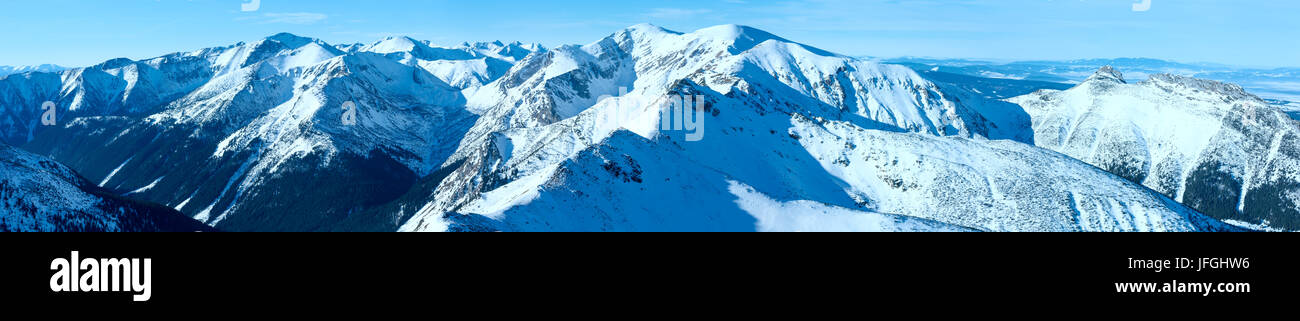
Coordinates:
784 123
9 70
38 194
286 133
1210 145
292 133
466 67
118 87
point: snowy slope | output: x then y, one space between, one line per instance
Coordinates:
548 153
644 63
628 183
647 60
989 185
264 127
40 195
1207 144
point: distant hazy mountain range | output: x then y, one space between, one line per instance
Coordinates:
1279 85
7 70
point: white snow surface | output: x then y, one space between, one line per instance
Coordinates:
557 146
810 216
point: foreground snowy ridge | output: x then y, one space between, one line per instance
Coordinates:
40 195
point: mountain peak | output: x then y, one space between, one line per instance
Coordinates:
114 63
290 40
396 44
741 34
646 30
743 38
400 38
644 27
1107 73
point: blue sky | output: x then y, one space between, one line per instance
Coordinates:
1242 32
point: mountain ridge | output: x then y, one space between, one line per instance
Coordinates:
291 133
1194 140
